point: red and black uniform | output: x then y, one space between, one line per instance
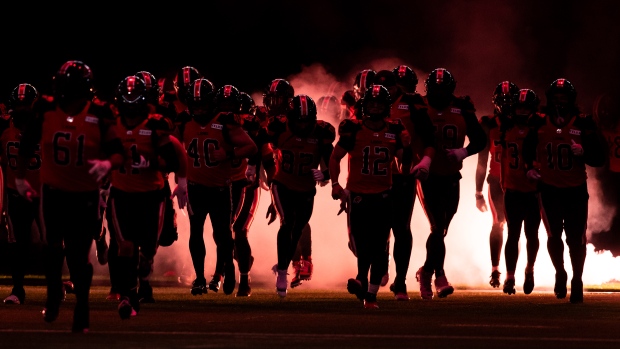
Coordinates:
491 126
439 194
21 213
209 188
294 187
370 156
411 111
135 211
69 193
245 198
520 196
562 185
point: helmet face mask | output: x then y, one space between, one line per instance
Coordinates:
302 114
526 103
376 103
23 96
329 107
278 96
406 78
201 99
182 81
363 81
561 96
227 99
247 105
152 86
503 98
131 98
440 86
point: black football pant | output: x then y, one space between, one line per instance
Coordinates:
135 221
21 213
439 196
217 203
369 223
403 198
304 246
522 210
245 202
294 209
565 209
71 221
496 203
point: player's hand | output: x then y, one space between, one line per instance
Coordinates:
142 163
317 175
344 203
99 168
25 189
421 170
271 213
576 148
481 204
180 191
533 175
250 173
337 191
456 155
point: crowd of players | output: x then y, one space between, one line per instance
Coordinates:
71 161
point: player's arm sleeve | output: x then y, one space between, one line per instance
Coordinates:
28 145
475 133
594 144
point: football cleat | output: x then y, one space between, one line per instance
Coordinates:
509 286
244 289
370 301
12 299
216 281
50 312
68 287
281 281
199 286
113 296
125 310
354 286
528 284
424 279
495 279
296 281
443 287
560 284
306 269
576 291
17 296
400 291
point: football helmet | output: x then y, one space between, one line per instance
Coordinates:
278 96
131 98
440 81
302 113
503 97
184 77
23 95
561 87
227 99
73 81
152 86
247 104
406 78
377 102
328 107
363 81
526 103
200 101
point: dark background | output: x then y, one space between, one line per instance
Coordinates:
248 44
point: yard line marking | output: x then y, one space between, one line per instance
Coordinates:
498 325
326 335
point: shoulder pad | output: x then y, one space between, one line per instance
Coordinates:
158 122
277 124
348 98
102 111
228 118
464 103
585 121
488 121
536 120
413 98
395 126
348 126
328 132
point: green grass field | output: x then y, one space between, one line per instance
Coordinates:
321 319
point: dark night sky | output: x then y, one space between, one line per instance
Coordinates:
248 44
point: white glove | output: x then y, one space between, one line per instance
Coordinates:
24 188
143 163
250 173
420 171
180 191
533 175
576 148
456 155
99 168
317 175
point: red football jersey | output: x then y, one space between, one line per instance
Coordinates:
9 146
199 142
558 166
370 158
67 143
512 166
136 141
450 132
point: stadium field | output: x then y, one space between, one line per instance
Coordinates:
321 319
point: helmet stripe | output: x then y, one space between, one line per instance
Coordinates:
197 90
523 96
131 83
561 83
21 91
402 71
506 87
363 79
186 75
376 90
274 85
227 90
439 79
303 103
